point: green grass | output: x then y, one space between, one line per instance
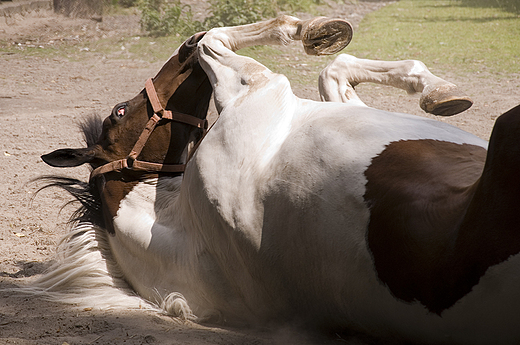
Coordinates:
442 33
445 34
46 52
150 49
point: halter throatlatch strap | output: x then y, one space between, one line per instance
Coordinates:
131 162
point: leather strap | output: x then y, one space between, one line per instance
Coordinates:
152 96
112 166
143 138
137 165
131 162
168 114
187 119
157 167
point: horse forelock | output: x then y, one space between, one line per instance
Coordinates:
91 127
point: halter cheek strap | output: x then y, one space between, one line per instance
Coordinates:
131 162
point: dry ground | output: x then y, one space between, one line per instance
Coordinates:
41 101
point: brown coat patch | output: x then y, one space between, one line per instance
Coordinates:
418 192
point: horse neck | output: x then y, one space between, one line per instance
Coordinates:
171 75
183 86
187 90
193 95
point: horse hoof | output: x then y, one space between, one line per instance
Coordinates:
325 36
445 100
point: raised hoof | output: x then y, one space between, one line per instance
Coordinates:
325 36
445 100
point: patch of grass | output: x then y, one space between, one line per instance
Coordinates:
46 52
150 49
299 68
444 33
156 49
113 8
508 5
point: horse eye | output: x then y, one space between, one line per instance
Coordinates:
119 110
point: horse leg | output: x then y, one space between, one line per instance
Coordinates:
439 97
230 73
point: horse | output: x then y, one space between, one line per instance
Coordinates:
331 213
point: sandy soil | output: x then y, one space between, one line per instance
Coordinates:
41 102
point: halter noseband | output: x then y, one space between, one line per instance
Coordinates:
131 162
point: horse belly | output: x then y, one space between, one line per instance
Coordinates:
315 223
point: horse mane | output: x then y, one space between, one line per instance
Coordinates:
87 194
85 251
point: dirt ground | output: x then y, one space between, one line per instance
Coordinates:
41 102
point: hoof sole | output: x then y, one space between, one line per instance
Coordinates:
325 36
445 100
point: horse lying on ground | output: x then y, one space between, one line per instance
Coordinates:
334 214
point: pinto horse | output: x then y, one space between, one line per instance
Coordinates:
331 213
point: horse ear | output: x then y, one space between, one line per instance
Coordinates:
68 157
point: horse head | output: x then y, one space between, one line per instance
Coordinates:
149 134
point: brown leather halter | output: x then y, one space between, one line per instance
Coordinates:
131 162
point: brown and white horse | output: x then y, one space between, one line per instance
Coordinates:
331 213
